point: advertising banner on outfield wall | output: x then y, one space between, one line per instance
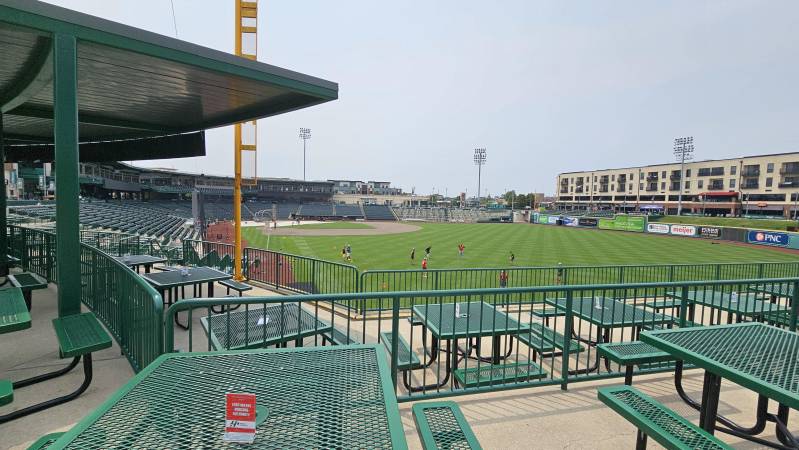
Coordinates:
552 220
570 221
709 232
771 238
624 223
587 222
683 230
659 228
543 218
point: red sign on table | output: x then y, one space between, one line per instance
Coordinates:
240 417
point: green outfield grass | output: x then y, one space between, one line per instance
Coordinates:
334 226
763 224
489 245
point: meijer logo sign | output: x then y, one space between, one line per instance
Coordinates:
683 230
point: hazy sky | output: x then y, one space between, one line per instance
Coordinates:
546 87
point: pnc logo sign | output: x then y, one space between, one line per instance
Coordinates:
768 238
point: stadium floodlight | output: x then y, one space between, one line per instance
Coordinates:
479 161
683 151
305 134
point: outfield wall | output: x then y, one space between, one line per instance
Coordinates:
640 224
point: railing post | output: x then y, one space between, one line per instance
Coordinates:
313 277
567 327
794 306
683 305
395 308
760 270
621 274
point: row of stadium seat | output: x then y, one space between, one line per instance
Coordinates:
441 214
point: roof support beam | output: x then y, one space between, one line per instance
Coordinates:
65 99
38 72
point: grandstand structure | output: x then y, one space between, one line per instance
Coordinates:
444 214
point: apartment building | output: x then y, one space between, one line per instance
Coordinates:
748 185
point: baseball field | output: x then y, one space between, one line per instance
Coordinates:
491 245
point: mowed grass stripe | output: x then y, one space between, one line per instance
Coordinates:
489 245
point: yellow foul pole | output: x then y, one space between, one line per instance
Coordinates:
245 134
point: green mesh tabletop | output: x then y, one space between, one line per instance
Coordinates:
316 397
477 319
197 275
138 260
607 312
14 315
27 281
743 303
776 289
759 357
255 328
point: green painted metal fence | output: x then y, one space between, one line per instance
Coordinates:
293 273
548 337
127 305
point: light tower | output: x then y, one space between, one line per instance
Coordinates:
305 134
683 151
479 161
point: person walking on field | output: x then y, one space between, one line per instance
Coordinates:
413 255
512 258
424 267
461 248
427 251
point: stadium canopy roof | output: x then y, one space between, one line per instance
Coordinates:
71 83
133 84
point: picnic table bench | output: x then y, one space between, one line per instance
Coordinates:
237 286
656 421
79 335
14 315
441 425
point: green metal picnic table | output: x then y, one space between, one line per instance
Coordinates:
6 263
27 282
315 397
254 328
14 315
742 303
167 282
137 261
607 313
759 357
476 320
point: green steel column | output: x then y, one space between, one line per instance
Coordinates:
3 224
65 96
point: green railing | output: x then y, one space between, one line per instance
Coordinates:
127 305
293 273
542 335
485 278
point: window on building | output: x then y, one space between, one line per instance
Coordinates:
687 173
663 185
631 187
704 172
770 168
631 176
732 183
663 174
700 184
594 178
687 185
613 178
716 171
641 186
733 169
769 181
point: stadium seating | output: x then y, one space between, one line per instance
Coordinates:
441 214
348 211
312 210
378 212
